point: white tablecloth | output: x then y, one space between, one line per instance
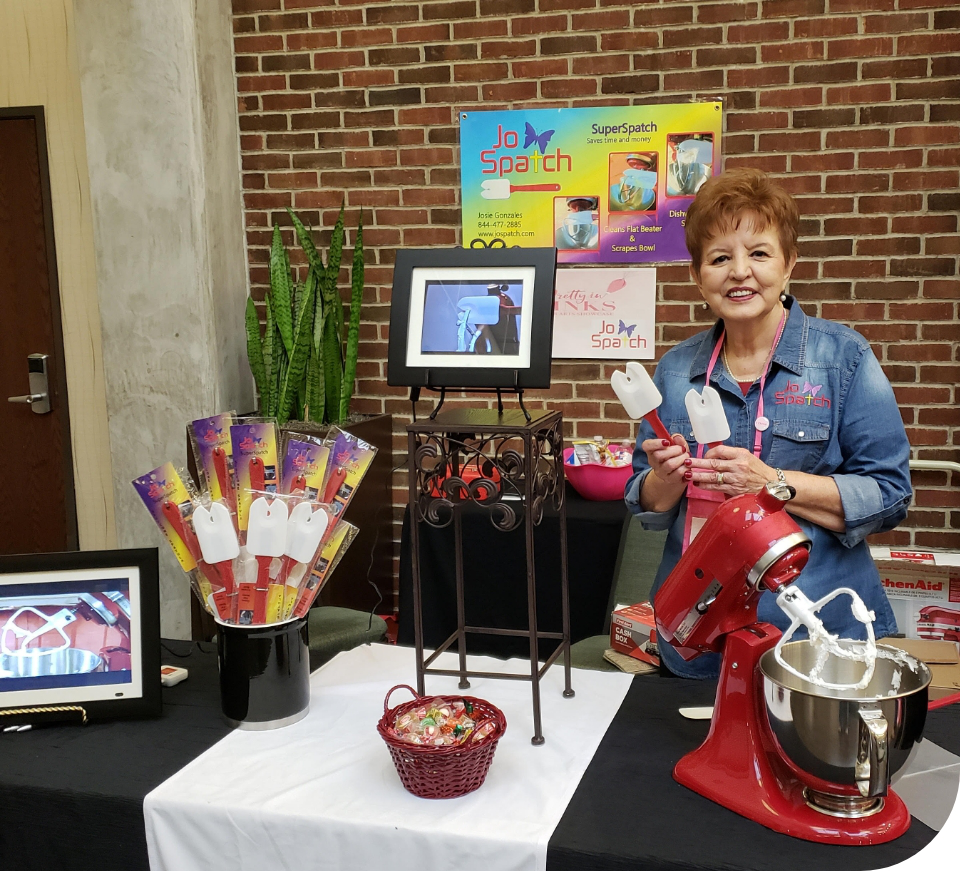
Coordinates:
323 793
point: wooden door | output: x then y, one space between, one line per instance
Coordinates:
37 501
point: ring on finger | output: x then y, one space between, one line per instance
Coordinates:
719 479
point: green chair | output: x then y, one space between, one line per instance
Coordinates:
637 564
333 629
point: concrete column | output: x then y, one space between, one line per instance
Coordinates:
162 146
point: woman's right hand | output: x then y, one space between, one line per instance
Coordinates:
665 484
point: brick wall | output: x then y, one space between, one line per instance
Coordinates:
853 104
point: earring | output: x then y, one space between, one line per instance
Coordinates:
783 297
704 306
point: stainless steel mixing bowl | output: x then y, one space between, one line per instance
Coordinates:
38 661
852 738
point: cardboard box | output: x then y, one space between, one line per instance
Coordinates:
924 591
633 632
941 657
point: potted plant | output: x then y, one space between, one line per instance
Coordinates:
300 365
304 363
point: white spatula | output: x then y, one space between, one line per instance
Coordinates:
217 537
709 423
266 540
639 395
500 188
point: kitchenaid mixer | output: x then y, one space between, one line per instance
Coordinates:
805 735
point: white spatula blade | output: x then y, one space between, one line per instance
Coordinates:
267 527
707 419
305 529
215 532
635 390
495 189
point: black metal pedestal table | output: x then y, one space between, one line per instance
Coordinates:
512 467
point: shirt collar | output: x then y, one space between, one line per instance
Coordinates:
789 352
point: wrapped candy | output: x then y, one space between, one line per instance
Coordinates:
440 722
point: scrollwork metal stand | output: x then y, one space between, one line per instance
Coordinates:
511 467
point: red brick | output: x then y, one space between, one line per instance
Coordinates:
426 116
338 60
510 92
927 135
790 52
758 77
490 28
379 157
329 19
540 69
894 23
429 237
922 181
602 65
602 20
791 98
929 43
900 246
508 48
392 13
364 36
899 68
480 72
629 40
257 44
859 182
292 180
861 138
886 205
538 24
757 121
455 9
558 88
369 78
261 83
292 21
831 161
924 224
825 26
424 33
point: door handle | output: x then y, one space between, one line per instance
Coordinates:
39 397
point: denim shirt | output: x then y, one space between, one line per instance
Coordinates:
832 412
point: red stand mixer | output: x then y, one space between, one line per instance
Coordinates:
812 761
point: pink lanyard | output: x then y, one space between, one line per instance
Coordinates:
761 423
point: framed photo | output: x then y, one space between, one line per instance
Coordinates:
79 636
472 317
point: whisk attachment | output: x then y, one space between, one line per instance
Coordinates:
803 612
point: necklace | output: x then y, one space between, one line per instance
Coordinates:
726 363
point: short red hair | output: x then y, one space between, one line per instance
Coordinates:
725 199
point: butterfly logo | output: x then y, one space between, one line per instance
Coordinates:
530 136
626 329
812 389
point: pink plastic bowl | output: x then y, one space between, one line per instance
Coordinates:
595 482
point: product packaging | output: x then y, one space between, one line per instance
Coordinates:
924 591
633 632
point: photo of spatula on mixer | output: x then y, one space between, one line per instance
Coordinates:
500 188
639 396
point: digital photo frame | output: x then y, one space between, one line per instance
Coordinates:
472 318
79 636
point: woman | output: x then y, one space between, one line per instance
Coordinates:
806 400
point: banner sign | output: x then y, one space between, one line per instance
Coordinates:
603 185
605 313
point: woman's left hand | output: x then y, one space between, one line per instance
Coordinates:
732 471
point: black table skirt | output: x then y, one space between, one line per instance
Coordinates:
629 813
71 797
495 579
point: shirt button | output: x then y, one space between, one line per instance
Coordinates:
800 434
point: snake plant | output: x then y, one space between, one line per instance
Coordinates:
299 363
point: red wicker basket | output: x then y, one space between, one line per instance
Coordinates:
441 772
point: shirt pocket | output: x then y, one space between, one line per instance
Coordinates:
798 445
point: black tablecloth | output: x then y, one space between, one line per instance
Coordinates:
495 576
629 813
71 797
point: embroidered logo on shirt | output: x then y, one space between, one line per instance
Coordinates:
794 394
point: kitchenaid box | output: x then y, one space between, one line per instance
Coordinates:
924 591
633 632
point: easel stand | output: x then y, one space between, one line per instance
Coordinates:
511 465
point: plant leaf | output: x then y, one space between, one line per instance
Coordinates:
353 333
332 371
306 243
281 289
270 361
293 376
255 349
334 254
314 402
